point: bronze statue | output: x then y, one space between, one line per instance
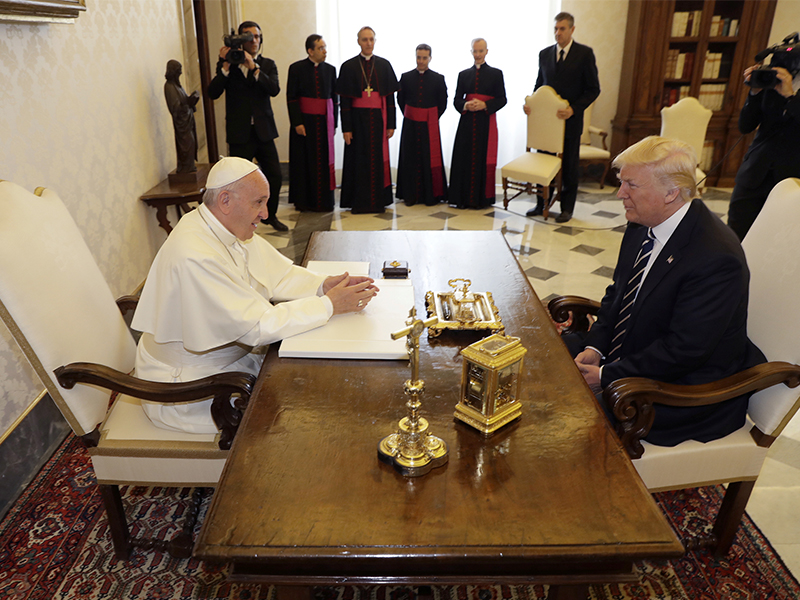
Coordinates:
182 108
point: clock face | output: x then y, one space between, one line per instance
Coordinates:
505 385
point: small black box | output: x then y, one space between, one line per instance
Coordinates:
395 269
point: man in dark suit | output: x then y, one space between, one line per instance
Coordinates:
677 309
774 154
249 121
569 68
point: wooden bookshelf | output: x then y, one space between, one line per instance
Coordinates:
679 48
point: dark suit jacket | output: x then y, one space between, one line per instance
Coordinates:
775 147
688 325
246 99
576 81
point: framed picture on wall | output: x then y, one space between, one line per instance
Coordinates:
41 11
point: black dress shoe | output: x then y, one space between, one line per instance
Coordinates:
275 224
563 217
535 212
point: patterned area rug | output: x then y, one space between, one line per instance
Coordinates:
54 543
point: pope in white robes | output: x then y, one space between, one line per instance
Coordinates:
217 295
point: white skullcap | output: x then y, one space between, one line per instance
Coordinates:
227 170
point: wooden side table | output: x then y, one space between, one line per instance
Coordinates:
176 194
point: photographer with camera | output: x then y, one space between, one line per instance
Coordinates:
249 80
774 155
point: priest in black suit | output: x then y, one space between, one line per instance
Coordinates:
677 309
569 68
249 120
366 88
422 98
313 115
480 93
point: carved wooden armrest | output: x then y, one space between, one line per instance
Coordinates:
560 308
222 386
127 303
631 399
602 133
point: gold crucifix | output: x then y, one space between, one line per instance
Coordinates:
412 449
369 90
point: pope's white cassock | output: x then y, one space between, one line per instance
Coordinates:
207 308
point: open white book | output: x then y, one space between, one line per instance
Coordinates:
361 335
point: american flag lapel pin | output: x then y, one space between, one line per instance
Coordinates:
669 260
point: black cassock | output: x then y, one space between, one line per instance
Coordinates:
366 181
311 177
471 179
420 169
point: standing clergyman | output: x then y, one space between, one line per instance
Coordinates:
366 87
422 98
313 114
480 93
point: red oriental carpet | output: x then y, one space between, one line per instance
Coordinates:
54 543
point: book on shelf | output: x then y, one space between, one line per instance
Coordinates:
712 95
688 65
712 64
734 30
714 31
679 64
698 17
686 23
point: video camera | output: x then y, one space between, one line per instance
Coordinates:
234 42
786 55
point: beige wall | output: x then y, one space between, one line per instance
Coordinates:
83 113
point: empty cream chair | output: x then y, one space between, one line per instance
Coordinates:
61 312
772 324
592 155
687 121
534 172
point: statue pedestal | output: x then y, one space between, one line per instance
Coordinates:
191 177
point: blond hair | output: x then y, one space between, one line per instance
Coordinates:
672 163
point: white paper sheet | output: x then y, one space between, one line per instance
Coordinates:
361 335
337 267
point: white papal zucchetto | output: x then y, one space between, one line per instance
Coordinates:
227 170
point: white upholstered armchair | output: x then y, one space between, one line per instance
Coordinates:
61 312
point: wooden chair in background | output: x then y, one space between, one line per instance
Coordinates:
534 172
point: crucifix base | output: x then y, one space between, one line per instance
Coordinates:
412 450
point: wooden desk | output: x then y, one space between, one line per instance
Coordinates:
554 499
167 194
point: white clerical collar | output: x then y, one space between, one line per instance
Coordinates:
365 57
565 49
217 228
422 72
663 231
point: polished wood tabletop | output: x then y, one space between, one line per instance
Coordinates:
552 498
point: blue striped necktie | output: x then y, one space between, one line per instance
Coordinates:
631 291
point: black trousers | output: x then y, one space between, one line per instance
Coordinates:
570 173
747 202
267 156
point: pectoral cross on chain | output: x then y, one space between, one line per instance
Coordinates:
369 90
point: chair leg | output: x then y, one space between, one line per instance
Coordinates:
505 192
605 174
730 515
117 523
